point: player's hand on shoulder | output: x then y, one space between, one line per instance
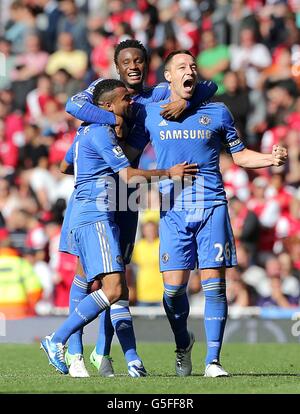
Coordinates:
279 155
182 170
174 109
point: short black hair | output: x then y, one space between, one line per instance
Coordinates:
130 43
104 86
177 52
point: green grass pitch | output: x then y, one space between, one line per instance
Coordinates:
255 368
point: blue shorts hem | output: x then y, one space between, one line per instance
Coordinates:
215 266
93 277
176 268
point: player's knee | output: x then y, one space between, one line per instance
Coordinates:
173 291
113 292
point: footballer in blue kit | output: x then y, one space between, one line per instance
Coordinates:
199 207
194 225
97 158
91 222
131 61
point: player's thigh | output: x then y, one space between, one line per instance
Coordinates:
127 222
79 268
99 248
177 249
215 241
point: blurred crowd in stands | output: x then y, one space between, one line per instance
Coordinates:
51 49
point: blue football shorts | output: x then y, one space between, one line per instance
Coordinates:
99 248
66 242
200 238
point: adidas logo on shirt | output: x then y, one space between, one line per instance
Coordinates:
163 123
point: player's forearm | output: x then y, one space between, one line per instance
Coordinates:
133 175
88 112
66 168
252 159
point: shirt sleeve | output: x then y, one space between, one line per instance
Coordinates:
108 148
158 93
231 140
139 135
69 155
81 107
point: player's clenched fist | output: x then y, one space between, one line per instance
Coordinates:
279 155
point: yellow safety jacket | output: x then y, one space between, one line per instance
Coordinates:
20 287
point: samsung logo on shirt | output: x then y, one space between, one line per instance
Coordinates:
185 134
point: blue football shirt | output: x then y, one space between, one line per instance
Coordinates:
198 137
97 159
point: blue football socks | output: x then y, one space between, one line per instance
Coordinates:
106 333
78 292
215 316
177 308
122 321
87 310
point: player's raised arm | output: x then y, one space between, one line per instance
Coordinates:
243 156
252 159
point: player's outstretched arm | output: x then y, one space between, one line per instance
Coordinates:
252 159
178 171
204 91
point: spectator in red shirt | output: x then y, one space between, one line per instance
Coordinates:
102 52
245 225
268 212
278 189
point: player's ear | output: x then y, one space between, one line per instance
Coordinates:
167 75
109 106
106 105
117 69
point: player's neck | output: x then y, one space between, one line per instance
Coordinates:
174 96
136 90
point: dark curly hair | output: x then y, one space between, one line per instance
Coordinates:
130 43
106 85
